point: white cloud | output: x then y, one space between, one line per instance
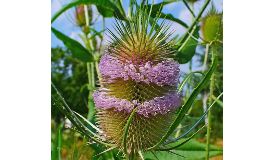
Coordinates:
185 16
171 6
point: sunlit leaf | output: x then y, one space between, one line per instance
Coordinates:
76 48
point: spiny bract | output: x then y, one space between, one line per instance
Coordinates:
137 71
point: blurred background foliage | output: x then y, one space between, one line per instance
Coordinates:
70 75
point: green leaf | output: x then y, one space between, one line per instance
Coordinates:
188 50
126 130
119 5
188 103
171 17
92 125
104 12
56 154
76 48
192 150
104 4
119 14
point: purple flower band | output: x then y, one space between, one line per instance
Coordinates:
162 105
164 73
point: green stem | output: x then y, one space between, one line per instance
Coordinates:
90 68
86 15
205 57
189 81
214 50
204 94
192 8
99 50
93 74
89 73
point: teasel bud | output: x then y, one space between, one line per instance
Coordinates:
80 15
212 25
137 72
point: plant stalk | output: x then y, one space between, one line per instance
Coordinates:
214 50
190 70
204 94
90 68
205 57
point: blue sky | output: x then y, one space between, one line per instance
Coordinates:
64 23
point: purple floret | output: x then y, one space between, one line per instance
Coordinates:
162 105
164 73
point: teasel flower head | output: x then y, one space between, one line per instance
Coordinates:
137 74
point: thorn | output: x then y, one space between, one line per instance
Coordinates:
89 143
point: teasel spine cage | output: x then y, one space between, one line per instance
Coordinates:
137 73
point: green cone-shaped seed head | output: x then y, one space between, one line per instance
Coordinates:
212 26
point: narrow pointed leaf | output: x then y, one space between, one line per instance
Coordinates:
126 130
76 48
56 155
92 125
192 150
